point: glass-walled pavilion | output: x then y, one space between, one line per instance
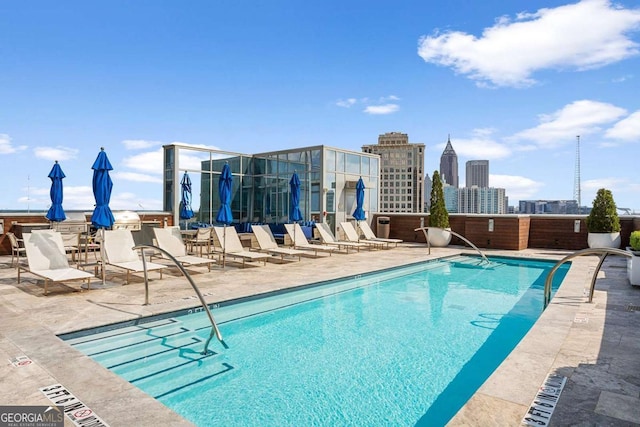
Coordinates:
261 191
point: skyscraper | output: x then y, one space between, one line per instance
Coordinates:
477 173
401 172
449 165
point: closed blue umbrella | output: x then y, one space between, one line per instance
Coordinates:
56 213
359 214
225 216
102 216
185 202
294 204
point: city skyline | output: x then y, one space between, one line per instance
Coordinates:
78 76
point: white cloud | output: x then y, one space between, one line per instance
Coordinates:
139 144
383 105
627 129
481 146
55 153
561 127
579 36
516 187
381 109
136 177
6 147
346 103
150 161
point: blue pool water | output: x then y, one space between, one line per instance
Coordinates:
403 347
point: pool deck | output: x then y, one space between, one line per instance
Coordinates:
594 345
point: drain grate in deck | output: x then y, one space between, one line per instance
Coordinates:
632 307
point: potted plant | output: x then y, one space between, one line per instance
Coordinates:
634 242
439 228
633 263
603 223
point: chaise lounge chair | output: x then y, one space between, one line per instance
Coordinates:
300 240
170 240
47 258
352 235
117 251
231 246
368 234
268 244
327 237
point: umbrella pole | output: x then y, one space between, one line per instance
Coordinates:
101 233
224 245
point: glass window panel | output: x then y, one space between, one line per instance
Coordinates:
353 163
339 161
330 160
365 165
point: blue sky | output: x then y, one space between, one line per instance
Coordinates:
513 82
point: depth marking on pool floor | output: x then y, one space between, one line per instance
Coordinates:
541 409
79 413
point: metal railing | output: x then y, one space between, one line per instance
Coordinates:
425 230
603 252
214 326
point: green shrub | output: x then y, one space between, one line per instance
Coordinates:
603 217
438 215
634 240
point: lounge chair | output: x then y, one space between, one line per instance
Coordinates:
352 235
300 240
170 240
368 234
47 258
268 244
327 237
117 251
231 246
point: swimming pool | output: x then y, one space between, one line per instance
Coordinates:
406 346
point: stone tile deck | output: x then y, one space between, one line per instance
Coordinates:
594 345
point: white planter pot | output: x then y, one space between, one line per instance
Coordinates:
439 237
603 240
633 267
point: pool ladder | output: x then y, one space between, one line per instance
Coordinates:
603 252
425 230
214 327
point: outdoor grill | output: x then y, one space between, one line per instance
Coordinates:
76 222
127 220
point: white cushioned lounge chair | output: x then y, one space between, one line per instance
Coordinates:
117 251
327 237
268 244
368 234
231 245
300 240
352 235
47 258
170 240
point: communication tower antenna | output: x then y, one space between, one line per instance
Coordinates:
576 179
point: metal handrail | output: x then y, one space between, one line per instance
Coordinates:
603 252
214 326
425 230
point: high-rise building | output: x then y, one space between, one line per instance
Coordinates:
477 173
428 185
401 172
449 165
482 200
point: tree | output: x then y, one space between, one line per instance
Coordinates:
603 217
439 217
